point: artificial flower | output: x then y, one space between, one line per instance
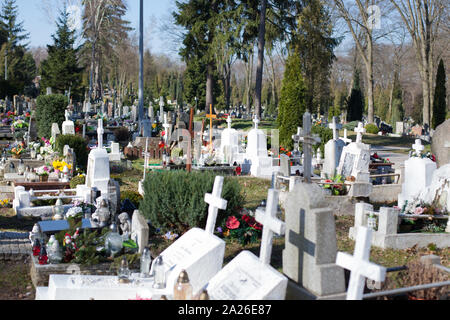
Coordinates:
232 223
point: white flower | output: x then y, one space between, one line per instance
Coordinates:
72 212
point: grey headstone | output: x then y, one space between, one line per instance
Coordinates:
440 146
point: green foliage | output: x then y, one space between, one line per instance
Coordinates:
50 109
440 95
174 200
77 180
325 134
60 70
355 104
79 146
292 101
350 125
133 196
371 128
122 134
397 112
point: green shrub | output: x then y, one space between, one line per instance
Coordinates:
77 180
133 196
371 128
175 200
122 134
325 134
79 146
50 109
351 125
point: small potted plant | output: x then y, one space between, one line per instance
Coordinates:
17 151
43 173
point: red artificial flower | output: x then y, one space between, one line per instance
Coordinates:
163 133
257 226
376 156
232 223
161 145
328 181
289 154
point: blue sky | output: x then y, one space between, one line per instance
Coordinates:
36 21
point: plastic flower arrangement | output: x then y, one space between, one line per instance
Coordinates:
285 151
428 155
5 203
59 165
242 228
19 124
17 150
335 185
43 171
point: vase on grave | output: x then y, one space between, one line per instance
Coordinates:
43 178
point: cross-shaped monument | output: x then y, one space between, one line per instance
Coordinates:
215 203
308 140
345 138
270 224
166 127
211 116
297 137
256 121
359 265
146 157
418 147
100 133
229 122
360 130
335 127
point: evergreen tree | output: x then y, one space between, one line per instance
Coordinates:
440 94
315 44
60 70
398 111
292 101
20 71
355 103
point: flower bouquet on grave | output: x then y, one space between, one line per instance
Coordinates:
243 229
428 155
285 151
19 124
43 173
17 150
5 203
336 186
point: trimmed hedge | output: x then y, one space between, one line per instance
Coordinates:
50 109
371 128
174 200
79 146
133 196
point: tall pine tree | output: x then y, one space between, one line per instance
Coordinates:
355 103
60 70
292 101
20 68
440 94
398 111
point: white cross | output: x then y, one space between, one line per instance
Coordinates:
296 137
146 155
308 141
270 224
335 127
100 133
215 203
418 147
360 130
359 265
345 139
166 126
229 122
256 121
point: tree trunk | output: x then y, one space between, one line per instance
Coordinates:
209 85
260 65
370 81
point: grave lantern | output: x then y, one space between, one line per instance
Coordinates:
11 168
124 272
146 260
160 273
113 241
21 167
43 258
182 289
58 210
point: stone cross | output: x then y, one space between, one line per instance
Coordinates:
256 121
359 265
215 203
166 126
211 116
66 113
100 133
296 138
308 140
270 224
334 126
229 122
418 147
360 130
146 157
345 139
